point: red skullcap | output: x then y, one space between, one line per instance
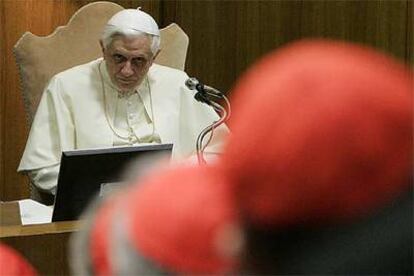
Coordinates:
184 222
321 131
12 263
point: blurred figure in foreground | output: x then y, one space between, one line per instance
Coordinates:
13 264
178 222
320 160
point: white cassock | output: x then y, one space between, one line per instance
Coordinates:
81 109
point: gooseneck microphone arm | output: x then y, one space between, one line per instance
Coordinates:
209 96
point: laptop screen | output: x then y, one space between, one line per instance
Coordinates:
86 173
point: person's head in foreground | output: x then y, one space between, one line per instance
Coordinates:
320 159
177 222
12 263
130 42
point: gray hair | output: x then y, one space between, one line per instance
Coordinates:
110 32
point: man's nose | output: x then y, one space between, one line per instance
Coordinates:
126 69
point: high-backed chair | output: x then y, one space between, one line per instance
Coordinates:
39 58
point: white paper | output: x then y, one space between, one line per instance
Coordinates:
33 212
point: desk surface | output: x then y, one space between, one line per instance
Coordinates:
39 229
11 226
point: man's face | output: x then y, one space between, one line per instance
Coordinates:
128 60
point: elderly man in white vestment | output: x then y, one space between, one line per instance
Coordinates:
120 99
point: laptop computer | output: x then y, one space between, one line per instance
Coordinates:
86 173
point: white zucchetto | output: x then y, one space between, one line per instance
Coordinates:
135 19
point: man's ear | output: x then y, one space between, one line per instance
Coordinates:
102 47
156 54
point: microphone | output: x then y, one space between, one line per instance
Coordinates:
194 84
201 95
206 94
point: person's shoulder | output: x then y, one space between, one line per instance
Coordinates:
77 72
75 80
158 70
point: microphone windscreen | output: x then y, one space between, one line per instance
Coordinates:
191 83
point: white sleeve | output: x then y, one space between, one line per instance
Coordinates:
52 131
45 178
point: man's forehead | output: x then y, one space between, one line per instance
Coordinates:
131 44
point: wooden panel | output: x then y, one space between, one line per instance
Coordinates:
381 24
227 36
52 261
410 43
2 97
210 27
